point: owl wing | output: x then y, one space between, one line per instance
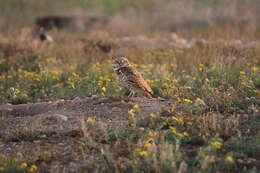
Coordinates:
136 79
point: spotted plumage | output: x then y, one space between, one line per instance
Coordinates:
131 78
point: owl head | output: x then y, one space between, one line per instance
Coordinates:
121 62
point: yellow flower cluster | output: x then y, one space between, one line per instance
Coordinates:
27 75
18 162
229 159
153 115
33 168
90 120
179 120
187 101
142 153
200 101
174 131
216 144
132 111
152 133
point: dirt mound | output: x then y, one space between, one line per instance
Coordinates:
22 126
98 107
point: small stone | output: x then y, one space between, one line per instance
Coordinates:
61 144
42 136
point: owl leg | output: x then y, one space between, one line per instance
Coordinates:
129 95
132 93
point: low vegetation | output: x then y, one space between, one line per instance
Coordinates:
212 123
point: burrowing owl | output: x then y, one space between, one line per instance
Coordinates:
131 78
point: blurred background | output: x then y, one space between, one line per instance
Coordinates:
130 17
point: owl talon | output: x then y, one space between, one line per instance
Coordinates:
131 94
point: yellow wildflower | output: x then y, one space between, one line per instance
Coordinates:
33 168
71 85
254 69
147 145
151 133
179 120
75 75
242 72
186 134
8 76
207 134
179 134
216 144
23 165
257 92
134 65
104 89
152 115
51 59
37 78
1 168
136 106
207 80
174 130
55 72
185 87
150 81
229 159
19 154
131 112
142 153
173 108
200 101
187 100
90 120
99 83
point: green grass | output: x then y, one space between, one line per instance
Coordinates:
212 126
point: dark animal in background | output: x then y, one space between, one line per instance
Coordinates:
78 23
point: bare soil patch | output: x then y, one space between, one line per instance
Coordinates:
51 130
